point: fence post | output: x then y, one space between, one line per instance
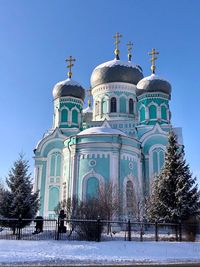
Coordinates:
141 232
19 227
180 231
57 228
156 231
98 229
129 230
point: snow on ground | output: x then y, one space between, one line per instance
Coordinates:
52 252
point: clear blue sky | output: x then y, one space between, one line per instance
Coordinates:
36 36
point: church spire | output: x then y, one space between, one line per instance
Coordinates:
117 41
153 59
70 65
130 47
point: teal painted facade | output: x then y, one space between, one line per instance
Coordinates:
119 139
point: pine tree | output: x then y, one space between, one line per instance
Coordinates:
19 200
175 195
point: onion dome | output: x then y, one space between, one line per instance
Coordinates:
68 87
153 83
116 71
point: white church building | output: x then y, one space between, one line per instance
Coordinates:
120 137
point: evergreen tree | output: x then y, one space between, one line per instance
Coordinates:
174 195
19 200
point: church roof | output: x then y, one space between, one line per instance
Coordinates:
68 87
116 71
153 83
101 130
87 110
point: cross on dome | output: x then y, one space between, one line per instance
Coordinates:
117 41
153 59
70 65
89 94
130 47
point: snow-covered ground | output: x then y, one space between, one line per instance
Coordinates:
60 252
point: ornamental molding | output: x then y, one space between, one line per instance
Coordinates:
156 130
156 95
55 136
93 155
113 87
126 156
71 100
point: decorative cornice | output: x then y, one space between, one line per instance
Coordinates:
113 87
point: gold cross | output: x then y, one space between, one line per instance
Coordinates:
70 60
130 47
89 97
153 58
117 41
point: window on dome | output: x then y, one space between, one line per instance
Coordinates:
104 106
113 106
152 112
163 113
131 106
64 115
75 116
122 103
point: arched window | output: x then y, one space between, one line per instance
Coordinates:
75 116
55 164
129 195
58 165
53 198
113 105
92 188
52 165
163 113
131 109
158 159
122 104
152 112
142 114
104 106
64 115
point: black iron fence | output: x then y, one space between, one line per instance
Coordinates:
92 230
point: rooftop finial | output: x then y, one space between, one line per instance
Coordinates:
130 47
70 60
117 41
89 97
153 59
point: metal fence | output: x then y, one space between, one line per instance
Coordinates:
92 230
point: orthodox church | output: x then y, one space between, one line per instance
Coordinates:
119 138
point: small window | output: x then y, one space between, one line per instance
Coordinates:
113 105
152 112
131 106
64 115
